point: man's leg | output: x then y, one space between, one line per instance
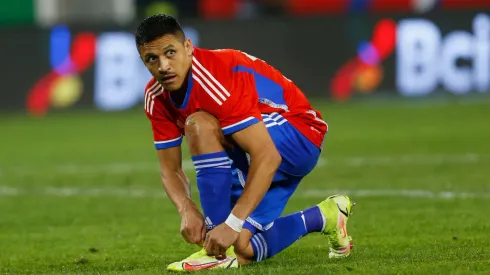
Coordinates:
213 167
255 246
329 217
214 181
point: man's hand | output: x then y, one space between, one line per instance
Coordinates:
219 240
192 225
177 188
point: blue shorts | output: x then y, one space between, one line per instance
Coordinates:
299 157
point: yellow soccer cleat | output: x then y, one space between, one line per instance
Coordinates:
200 260
337 210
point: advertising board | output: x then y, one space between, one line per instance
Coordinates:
336 57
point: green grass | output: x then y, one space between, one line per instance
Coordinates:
80 193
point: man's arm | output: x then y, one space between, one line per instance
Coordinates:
264 161
177 187
174 180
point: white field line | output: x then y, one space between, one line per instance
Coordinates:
7 191
435 159
360 161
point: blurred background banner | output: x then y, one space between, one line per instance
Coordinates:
80 53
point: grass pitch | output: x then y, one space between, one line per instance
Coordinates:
80 193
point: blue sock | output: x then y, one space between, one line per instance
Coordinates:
214 181
285 231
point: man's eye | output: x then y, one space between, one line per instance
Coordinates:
151 59
170 52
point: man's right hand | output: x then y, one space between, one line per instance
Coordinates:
192 225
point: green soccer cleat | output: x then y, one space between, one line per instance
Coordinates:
337 210
200 260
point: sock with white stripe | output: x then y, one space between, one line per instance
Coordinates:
214 181
285 231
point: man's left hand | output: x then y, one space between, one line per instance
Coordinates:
219 240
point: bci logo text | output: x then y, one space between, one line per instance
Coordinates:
460 61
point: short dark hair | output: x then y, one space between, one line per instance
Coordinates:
157 26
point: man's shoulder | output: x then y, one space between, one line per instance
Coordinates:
220 63
214 52
215 56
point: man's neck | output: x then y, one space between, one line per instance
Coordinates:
178 96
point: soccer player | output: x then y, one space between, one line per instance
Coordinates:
252 135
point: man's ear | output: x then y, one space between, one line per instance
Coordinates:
188 46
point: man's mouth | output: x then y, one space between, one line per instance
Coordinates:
169 79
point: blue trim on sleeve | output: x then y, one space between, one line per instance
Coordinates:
168 144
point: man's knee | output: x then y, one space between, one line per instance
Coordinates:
204 134
202 123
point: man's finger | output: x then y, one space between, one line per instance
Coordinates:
196 238
218 252
203 232
203 235
185 236
208 245
190 234
193 238
206 240
223 251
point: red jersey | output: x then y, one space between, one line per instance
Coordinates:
239 90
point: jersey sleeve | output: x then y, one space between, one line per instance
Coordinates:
229 96
165 132
240 111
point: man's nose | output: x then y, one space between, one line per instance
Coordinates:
164 66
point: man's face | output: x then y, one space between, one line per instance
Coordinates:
168 58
